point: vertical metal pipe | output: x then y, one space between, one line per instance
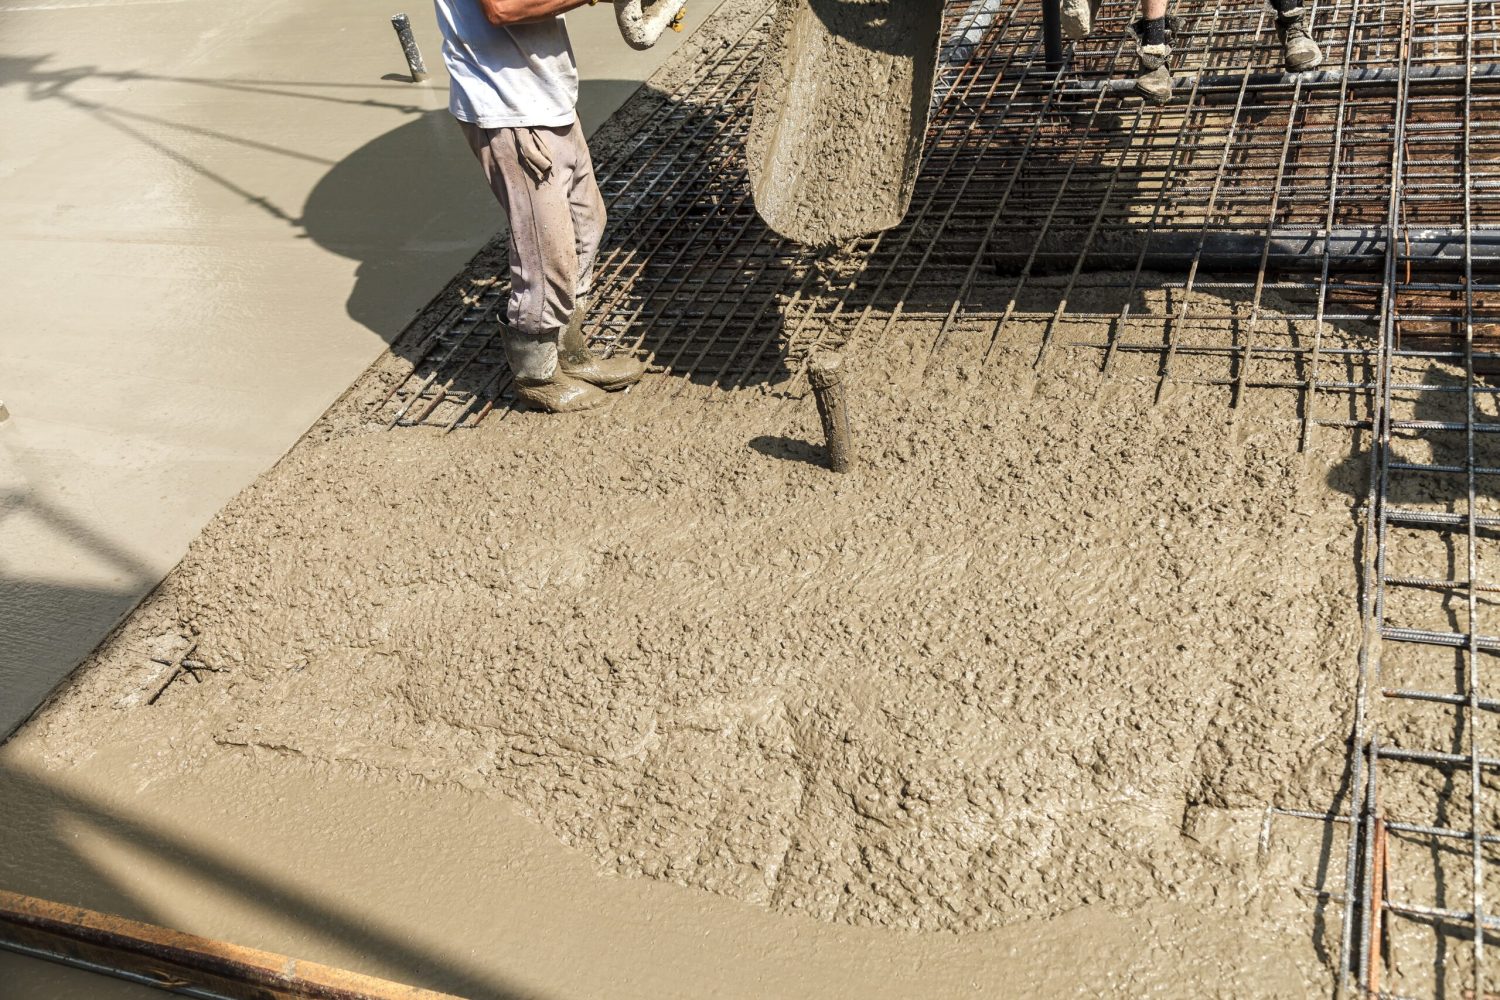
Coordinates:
402 24
825 374
1052 39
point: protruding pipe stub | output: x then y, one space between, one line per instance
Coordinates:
414 63
826 376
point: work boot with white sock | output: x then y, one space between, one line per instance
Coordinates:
1154 49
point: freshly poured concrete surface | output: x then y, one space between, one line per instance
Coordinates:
212 218
452 890
346 859
686 641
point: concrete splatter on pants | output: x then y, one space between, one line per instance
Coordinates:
544 180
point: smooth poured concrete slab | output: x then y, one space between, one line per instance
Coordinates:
212 218
452 890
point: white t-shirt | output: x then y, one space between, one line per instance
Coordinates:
507 77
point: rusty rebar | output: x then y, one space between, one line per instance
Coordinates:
177 962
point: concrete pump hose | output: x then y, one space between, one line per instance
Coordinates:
642 26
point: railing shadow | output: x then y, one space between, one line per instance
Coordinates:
43 823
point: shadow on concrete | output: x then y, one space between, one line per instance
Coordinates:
410 206
69 86
43 823
412 202
22 502
790 450
1445 402
47 628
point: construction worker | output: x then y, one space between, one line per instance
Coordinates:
514 92
1153 40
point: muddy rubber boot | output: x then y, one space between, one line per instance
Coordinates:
1154 82
559 394
540 381
1299 51
1078 17
1155 85
577 361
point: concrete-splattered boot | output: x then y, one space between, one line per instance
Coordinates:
1078 17
577 361
1299 51
1152 45
540 381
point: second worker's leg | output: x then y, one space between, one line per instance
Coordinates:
1153 45
587 207
1299 51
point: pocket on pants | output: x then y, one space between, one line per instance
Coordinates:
533 153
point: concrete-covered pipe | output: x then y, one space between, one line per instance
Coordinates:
642 24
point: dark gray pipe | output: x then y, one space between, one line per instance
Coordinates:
1052 39
402 24
1215 85
1347 249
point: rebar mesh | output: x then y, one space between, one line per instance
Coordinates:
1032 186
1333 237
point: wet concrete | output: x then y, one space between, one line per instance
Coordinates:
212 220
1031 675
1034 671
455 891
840 115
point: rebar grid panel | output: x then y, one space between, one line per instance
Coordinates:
688 274
1421 810
1176 242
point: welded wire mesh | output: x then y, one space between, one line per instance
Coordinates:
1048 208
1422 842
691 278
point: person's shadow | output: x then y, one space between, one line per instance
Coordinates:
412 207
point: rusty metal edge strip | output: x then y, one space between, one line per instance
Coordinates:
112 972
178 962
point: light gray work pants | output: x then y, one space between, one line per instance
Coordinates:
544 180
